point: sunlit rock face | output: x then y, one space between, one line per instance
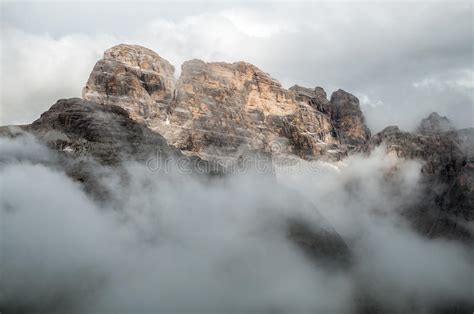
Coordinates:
229 107
134 78
223 109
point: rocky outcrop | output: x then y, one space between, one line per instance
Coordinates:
447 202
343 111
87 136
223 109
348 119
134 78
435 123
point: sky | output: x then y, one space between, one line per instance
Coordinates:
403 60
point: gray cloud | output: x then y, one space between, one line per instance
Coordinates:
403 59
173 243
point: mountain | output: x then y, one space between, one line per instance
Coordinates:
221 109
134 107
216 115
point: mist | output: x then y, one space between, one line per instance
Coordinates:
174 242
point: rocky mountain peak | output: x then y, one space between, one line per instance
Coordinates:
139 57
348 118
134 78
435 123
222 109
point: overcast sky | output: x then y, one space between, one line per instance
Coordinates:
403 60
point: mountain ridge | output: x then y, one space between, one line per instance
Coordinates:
227 106
219 111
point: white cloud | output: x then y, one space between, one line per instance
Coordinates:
171 243
256 24
366 101
459 80
39 69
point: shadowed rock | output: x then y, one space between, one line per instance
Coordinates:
348 118
324 246
82 128
447 203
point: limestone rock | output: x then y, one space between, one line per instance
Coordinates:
134 78
223 109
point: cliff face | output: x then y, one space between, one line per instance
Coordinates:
229 107
106 133
134 78
447 177
222 109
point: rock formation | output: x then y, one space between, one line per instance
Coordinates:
134 78
222 109
106 133
348 118
447 174
343 111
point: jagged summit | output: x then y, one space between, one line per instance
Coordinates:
138 56
218 108
435 123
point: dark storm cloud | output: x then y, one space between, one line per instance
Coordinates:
402 60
